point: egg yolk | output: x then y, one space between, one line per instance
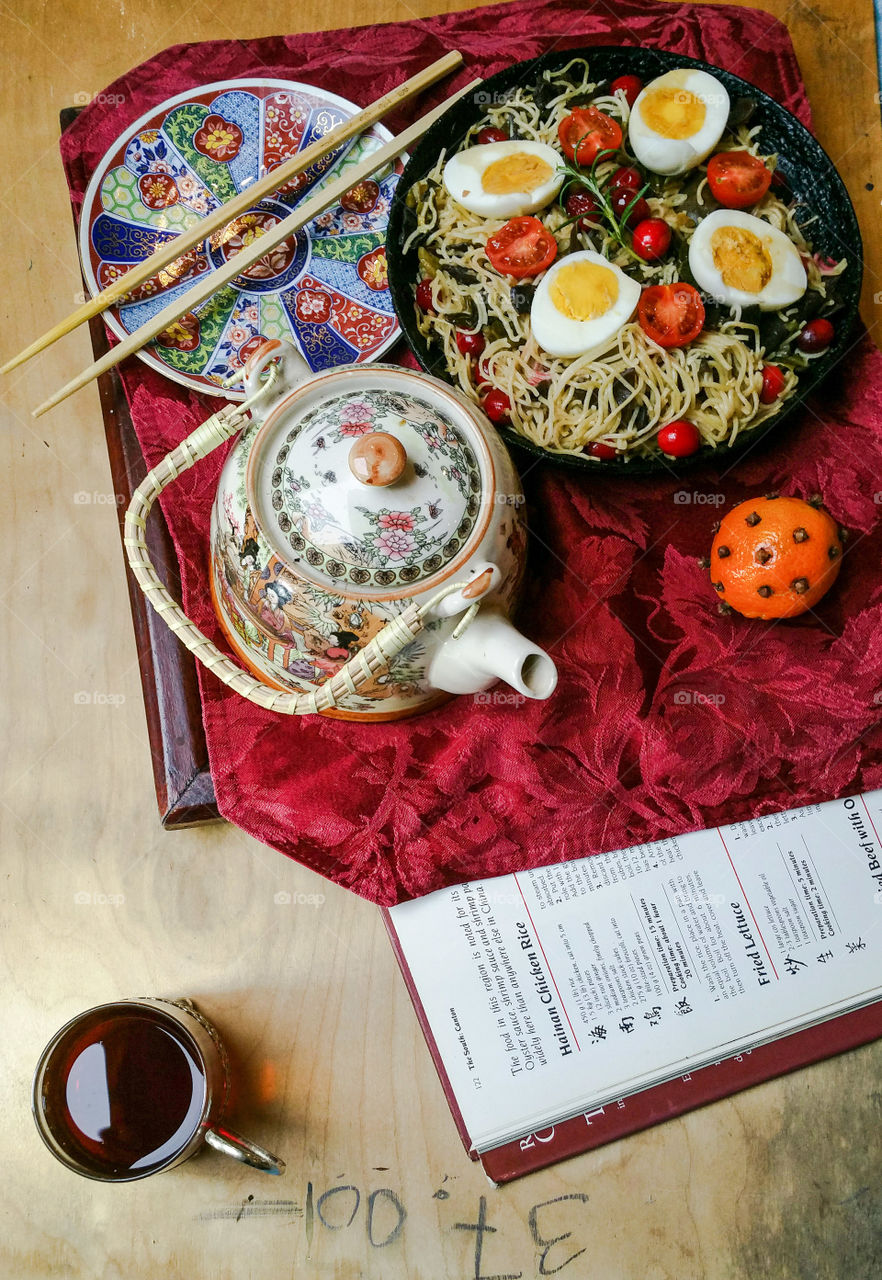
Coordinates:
672 112
741 259
518 172
584 290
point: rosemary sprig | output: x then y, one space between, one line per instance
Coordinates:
588 179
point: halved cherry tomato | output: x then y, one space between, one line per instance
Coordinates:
630 87
585 132
671 314
737 179
523 247
492 134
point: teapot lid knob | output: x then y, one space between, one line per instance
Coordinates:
377 458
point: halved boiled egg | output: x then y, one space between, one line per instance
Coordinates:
743 261
677 120
504 179
581 304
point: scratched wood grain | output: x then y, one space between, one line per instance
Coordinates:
783 1181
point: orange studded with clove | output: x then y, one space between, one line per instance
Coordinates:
775 557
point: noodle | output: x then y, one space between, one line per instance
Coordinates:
624 394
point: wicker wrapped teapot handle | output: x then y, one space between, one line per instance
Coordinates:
366 665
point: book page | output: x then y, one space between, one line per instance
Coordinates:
552 992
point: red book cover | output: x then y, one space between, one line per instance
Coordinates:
661 1102
684 1093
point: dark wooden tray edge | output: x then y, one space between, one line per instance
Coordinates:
182 779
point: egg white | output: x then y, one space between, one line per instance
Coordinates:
560 335
463 174
788 281
677 155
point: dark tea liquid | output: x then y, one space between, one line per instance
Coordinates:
124 1091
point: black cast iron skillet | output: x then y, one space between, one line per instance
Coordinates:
809 172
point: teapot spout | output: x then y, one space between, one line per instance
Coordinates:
492 649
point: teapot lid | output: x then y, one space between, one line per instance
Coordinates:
370 481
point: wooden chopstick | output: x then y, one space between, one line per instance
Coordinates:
245 200
223 275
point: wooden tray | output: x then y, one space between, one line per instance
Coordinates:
184 789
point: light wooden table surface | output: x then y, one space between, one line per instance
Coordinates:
783 1181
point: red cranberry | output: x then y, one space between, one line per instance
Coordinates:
816 336
583 205
600 450
491 134
628 178
679 439
619 201
424 296
652 239
470 344
774 383
630 87
497 406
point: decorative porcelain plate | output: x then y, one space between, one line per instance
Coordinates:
325 289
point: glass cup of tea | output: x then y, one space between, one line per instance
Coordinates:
128 1089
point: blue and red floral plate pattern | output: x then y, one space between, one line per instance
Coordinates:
325 288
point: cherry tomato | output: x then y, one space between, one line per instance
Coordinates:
628 177
585 132
492 134
652 239
470 344
424 296
679 439
523 247
583 205
630 87
671 314
619 201
483 373
774 383
816 335
497 406
604 451
737 179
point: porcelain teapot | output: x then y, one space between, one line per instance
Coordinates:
367 543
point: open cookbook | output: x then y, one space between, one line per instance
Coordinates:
569 1006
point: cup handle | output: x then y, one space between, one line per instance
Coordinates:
231 1144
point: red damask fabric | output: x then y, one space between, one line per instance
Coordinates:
667 717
